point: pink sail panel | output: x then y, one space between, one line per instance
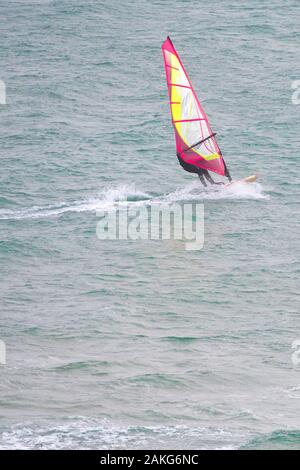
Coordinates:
195 141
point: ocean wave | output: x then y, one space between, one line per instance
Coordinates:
90 433
277 440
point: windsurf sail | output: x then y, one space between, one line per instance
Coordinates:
195 141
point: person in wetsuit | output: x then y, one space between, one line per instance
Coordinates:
201 172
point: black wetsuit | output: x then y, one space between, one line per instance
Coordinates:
201 172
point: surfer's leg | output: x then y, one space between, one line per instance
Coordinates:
201 178
209 178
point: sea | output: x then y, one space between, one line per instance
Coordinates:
141 343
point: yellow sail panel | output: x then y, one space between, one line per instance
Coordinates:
195 142
184 107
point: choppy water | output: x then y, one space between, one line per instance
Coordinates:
115 344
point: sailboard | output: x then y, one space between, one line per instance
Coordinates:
248 179
196 144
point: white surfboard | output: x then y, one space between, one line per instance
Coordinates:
247 179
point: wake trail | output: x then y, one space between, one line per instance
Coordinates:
129 195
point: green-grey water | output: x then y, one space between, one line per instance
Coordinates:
143 344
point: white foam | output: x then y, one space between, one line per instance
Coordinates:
130 195
91 433
103 200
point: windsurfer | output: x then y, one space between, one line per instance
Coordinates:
197 148
201 172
